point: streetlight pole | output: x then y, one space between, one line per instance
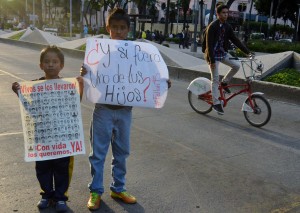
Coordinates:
33 12
196 9
201 14
177 16
81 18
297 32
269 25
70 18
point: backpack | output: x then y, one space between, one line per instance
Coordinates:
203 43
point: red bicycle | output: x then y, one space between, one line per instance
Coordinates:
256 108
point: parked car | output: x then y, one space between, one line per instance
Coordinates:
285 40
257 36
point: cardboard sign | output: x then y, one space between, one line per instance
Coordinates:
51 119
125 73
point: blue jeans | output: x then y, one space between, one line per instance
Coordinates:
109 126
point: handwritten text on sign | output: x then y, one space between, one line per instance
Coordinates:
125 73
51 119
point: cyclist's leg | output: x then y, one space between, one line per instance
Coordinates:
215 83
235 66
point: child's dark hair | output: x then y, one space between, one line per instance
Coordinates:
221 7
53 49
118 14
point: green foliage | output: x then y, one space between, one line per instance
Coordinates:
166 45
175 40
289 77
269 46
102 30
286 9
17 36
8 26
82 47
237 53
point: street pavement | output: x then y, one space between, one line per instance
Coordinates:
180 161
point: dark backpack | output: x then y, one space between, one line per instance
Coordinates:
203 43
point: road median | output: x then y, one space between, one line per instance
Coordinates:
272 90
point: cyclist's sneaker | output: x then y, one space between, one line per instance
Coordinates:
124 196
61 206
218 108
226 89
43 203
94 201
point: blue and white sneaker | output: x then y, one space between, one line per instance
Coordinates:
43 203
61 206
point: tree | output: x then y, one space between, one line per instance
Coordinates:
282 9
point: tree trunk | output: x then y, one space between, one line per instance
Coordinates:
184 19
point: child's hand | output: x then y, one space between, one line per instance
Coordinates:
169 83
15 87
79 79
83 71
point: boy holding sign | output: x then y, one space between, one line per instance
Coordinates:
111 124
53 175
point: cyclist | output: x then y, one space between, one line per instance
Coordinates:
218 34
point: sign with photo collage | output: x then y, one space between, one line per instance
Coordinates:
51 119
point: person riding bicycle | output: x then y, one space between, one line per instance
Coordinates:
218 34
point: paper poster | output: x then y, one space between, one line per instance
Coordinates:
51 119
125 73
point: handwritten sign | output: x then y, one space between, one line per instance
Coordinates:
125 73
51 119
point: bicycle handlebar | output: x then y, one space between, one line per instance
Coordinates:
250 58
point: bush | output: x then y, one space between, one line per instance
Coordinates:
237 53
272 46
175 40
287 76
82 47
17 36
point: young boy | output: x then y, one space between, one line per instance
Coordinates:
54 175
218 35
111 124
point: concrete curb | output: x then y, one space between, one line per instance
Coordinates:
39 47
271 90
274 91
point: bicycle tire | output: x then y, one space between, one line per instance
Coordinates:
262 111
199 104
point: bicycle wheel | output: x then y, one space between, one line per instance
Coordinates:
261 113
200 103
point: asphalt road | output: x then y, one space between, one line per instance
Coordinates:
180 161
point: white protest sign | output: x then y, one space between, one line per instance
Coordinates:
125 73
51 119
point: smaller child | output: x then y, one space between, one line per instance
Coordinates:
53 175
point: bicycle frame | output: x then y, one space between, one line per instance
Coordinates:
246 88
